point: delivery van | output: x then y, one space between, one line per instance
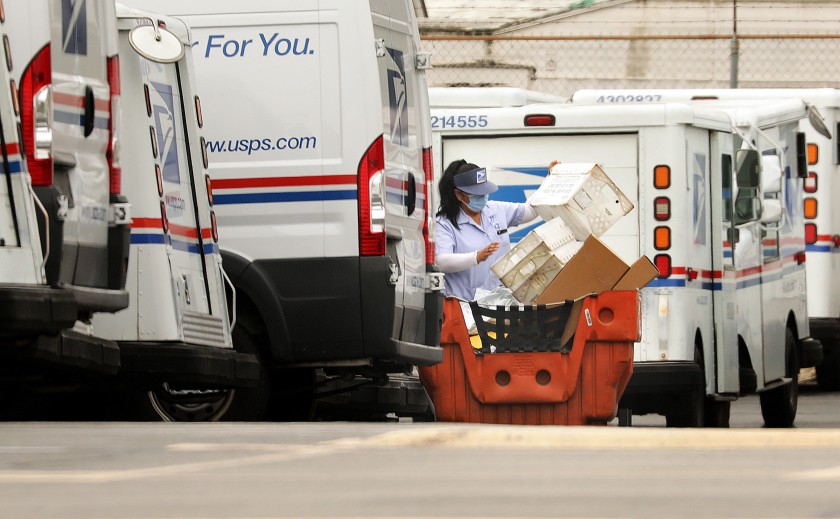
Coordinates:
175 334
714 207
822 222
319 144
65 66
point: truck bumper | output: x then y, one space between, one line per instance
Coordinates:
72 351
183 363
27 311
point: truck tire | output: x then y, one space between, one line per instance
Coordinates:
778 405
208 405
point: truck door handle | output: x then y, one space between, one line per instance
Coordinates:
411 197
90 111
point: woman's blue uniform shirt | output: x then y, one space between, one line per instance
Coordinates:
495 217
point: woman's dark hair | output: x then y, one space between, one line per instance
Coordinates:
449 205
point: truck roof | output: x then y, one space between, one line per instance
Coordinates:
488 97
592 117
816 96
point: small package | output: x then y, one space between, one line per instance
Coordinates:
541 276
583 196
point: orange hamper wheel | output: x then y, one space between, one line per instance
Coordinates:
556 385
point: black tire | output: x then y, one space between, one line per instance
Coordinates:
206 405
778 405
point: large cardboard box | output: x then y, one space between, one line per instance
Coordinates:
594 269
583 196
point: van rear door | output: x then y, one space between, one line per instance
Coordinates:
81 39
401 88
192 246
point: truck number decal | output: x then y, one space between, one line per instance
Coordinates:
630 98
461 121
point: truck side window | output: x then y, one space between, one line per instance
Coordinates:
747 201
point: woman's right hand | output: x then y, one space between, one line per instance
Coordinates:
486 252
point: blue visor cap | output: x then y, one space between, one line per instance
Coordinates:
475 182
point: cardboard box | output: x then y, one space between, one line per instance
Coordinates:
594 269
583 196
533 279
532 252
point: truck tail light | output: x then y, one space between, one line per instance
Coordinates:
540 120
36 117
663 264
661 208
662 177
199 118
810 233
163 219
209 186
113 153
810 207
213 228
428 222
813 153
371 203
811 183
662 238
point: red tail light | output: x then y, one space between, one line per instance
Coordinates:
810 233
428 169
36 101
371 204
113 153
213 228
663 264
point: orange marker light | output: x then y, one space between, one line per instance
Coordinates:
662 177
810 208
662 238
813 153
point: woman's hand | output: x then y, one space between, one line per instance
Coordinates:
486 252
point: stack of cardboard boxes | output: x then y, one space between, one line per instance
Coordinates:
563 258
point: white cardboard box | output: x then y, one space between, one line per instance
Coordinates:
524 258
583 196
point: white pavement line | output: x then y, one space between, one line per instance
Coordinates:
828 474
106 476
529 437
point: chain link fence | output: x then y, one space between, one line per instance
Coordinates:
561 65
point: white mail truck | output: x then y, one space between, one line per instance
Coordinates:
714 208
319 144
822 222
175 334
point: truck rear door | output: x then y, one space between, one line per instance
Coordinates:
81 39
405 186
191 242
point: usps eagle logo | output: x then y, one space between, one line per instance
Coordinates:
480 176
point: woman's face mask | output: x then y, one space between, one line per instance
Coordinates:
477 202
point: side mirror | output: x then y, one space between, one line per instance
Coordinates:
771 211
771 173
156 44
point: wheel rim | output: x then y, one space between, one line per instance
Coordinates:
190 405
